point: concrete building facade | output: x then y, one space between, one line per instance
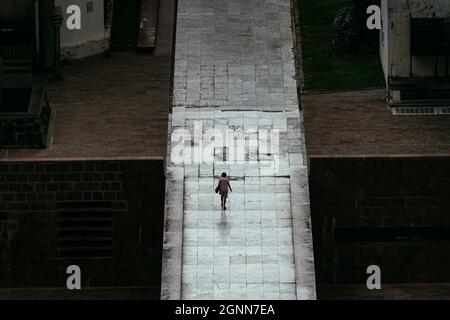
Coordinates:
95 33
413 50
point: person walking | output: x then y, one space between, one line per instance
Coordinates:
223 186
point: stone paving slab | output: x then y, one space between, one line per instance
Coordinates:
234 72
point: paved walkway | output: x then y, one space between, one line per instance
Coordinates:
234 70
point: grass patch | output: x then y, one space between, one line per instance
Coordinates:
324 69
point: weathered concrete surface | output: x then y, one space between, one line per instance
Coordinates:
234 69
395 45
165 32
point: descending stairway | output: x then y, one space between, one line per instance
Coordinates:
24 107
15 100
15 83
16 72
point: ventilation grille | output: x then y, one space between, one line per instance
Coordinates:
85 230
420 110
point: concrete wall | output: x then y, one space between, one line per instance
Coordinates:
92 39
399 12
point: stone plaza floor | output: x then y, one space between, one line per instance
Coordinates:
234 70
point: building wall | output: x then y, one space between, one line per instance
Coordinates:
31 195
93 38
399 12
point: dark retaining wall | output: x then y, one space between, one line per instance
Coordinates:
394 213
43 205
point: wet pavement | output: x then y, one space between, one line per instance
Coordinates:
234 73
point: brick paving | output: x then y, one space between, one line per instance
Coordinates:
361 125
234 69
107 108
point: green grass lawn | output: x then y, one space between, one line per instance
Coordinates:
324 69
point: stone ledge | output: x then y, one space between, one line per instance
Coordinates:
173 230
306 293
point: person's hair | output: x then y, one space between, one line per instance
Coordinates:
224 174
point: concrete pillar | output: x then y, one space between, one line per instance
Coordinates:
148 24
1 89
57 21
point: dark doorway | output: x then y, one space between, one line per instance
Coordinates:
125 26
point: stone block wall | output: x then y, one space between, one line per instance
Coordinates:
32 196
394 213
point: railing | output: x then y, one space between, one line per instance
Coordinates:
14 51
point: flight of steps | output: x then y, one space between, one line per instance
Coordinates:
16 81
24 108
15 100
16 72
17 65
